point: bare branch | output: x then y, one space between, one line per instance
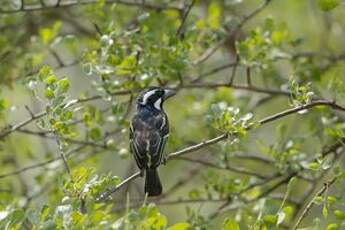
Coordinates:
40 164
138 203
311 202
70 140
63 156
222 137
180 30
57 57
277 116
233 73
106 194
229 168
71 3
239 87
11 129
249 78
209 52
253 14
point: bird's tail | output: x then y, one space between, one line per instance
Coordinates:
153 186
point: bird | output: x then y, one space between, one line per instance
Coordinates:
148 134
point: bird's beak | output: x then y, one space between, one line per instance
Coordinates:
169 93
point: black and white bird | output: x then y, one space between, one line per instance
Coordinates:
149 132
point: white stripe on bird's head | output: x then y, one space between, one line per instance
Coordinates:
158 104
147 95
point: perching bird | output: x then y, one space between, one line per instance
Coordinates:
149 131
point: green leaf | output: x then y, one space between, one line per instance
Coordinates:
180 226
327 5
331 200
270 219
214 15
13 219
44 212
48 34
4 104
313 166
318 200
230 224
51 79
340 215
63 85
325 211
194 194
126 66
332 227
95 134
44 72
66 116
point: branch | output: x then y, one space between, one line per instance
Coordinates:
222 137
182 181
40 164
253 14
13 128
254 158
239 87
46 162
63 156
261 195
106 194
71 3
311 202
138 203
180 31
229 168
7 131
70 140
209 52
317 103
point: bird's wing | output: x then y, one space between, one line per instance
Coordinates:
147 142
138 147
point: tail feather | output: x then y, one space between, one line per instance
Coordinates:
153 186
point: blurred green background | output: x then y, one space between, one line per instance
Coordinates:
295 48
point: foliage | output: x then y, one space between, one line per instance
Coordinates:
260 98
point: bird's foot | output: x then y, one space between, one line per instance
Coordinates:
142 172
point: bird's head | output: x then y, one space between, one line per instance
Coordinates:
154 97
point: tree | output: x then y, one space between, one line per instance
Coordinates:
257 136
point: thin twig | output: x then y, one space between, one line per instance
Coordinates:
249 78
234 69
62 155
210 85
71 3
40 164
310 105
311 202
181 30
106 194
252 14
209 52
229 168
